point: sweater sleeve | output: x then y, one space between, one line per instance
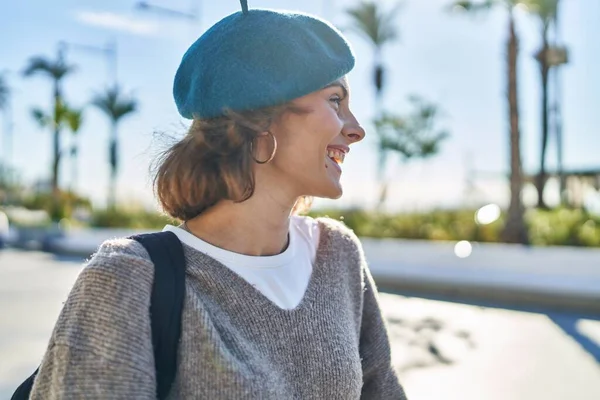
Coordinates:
379 377
101 346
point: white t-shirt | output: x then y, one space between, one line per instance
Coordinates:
282 278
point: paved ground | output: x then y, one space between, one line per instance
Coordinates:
443 350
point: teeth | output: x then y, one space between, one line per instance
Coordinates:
336 155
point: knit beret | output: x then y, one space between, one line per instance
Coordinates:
259 58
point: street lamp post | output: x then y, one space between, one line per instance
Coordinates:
8 130
109 51
146 6
558 122
5 108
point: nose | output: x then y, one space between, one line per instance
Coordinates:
352 129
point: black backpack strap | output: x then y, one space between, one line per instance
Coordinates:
24 389
166 303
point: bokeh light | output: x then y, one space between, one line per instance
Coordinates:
487 214
463 249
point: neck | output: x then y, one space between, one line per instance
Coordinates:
258 226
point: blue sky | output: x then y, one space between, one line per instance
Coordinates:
451 59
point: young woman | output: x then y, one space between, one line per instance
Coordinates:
277 306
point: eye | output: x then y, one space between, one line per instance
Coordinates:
336 99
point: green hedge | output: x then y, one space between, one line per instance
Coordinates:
59 208
556 227
546 228
137 219
563 227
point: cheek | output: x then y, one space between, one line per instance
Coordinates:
304 144
330 122
302 154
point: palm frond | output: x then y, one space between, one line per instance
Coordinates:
546 10
414 135
475 7
41 65
4 93
44 120
375 24
73 118
115 104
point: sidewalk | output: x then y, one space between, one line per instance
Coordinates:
441 350
490 354
557 278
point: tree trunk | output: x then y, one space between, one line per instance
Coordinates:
56 212
557 121
378 82
514 230
558 127
544 69
74 165
113 153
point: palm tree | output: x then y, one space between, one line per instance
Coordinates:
56 70
514 230
413 136
116 106
5 172
4 105
70 118
377 26
73 119
545 11
4 93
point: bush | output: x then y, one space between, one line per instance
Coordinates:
57 210
546 228
136 219
435 225
563 227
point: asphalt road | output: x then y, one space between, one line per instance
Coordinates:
442 350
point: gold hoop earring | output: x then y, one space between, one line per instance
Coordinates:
272 153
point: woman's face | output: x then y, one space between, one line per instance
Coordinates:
312 145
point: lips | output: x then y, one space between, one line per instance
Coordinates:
335 155
334 164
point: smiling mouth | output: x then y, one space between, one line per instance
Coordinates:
336 155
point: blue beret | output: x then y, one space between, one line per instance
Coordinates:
259 58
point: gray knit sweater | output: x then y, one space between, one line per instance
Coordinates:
235 343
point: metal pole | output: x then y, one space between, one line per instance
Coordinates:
558 123
8 125
144 5
109 51
111 56
8 131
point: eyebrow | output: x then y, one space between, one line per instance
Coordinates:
340 85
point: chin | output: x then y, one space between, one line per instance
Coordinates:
331 191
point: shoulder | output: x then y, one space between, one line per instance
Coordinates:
339 233
122 248
342 240
344 249
119 265
124 258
